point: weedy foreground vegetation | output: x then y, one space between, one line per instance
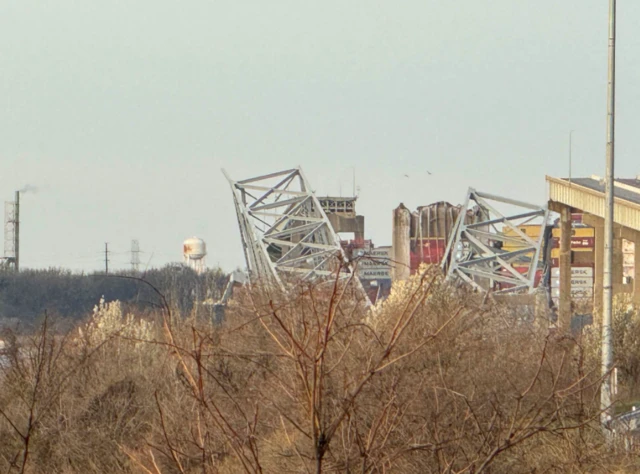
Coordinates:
434 380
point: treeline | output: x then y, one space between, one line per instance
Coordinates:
26 296
434 380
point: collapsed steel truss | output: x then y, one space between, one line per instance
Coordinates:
475 252
284 230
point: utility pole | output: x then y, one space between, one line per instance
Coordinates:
607 288
16 234
570 152
106 258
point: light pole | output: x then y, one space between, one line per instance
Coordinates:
570 152
607 287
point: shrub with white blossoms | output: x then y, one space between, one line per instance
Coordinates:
108 320
403 290
425 279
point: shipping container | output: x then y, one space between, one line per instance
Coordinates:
578 259
431 252
375 264
582 282
582 240
530 230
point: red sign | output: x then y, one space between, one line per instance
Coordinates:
577 242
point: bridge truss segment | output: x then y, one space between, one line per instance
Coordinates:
284 230
490 248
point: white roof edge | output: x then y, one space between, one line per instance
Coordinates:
626 187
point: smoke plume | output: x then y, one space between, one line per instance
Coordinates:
29 188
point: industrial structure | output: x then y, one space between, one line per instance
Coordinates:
342 215
420 237
493 243
11 258
372 264
519 250
489 248
194 251
286 233
135 256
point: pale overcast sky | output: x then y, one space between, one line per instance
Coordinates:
123 112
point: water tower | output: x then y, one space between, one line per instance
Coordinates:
194 251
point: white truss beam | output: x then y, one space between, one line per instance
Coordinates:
284 229
486 223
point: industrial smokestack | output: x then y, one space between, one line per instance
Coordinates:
401 243
16 235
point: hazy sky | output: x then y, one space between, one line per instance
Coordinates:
123 112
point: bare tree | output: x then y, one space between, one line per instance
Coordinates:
434 380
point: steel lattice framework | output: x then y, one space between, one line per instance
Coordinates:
488 245
284 229
10 218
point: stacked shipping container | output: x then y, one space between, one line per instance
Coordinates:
582 257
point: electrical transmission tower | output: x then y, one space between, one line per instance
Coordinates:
135 256
106 257
11 234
